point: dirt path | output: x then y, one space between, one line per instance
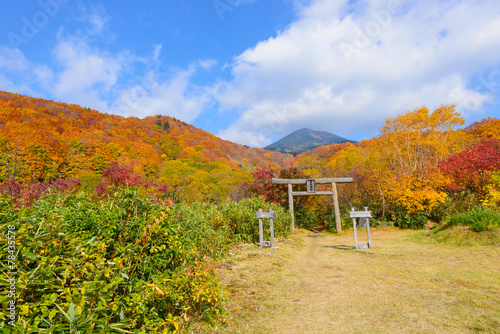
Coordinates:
310 285
316 283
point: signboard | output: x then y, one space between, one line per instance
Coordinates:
360 214
311 186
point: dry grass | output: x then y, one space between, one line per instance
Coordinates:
316 283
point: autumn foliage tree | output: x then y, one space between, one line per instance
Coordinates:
471 169
487 128
419 139
401 164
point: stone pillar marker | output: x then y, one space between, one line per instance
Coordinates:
363 215
271 215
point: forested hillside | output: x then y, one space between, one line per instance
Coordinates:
41 141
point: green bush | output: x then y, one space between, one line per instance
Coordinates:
479 219
240 220
413 221
308 219
121 263
89 266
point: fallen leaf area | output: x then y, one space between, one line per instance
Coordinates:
317 283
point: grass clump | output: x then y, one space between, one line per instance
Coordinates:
478 227
479 219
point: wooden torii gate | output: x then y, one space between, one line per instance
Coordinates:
311 190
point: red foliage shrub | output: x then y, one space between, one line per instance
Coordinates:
162 188
120 175
27 194
262 184
115 176
33 192
161 194
275 193
11 188
471 169
66 185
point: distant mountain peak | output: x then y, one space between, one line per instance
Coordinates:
305 139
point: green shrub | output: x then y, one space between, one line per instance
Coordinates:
479 219
406 220
306 218
121 263
89 266
240 218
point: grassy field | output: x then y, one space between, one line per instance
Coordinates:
407 283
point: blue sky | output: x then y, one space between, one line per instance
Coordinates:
252 71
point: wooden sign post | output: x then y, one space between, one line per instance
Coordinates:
311 190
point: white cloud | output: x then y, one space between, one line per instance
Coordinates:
207 63
9 86
86 76
78 73
346 66
12 63
12 59
174 97
44 75
96 19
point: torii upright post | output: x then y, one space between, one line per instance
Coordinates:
311 190
338 224
290 205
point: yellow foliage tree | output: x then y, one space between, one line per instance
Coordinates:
493 196
412 145
415 194
418 139
488 127
345 160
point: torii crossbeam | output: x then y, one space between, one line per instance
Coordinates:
311 190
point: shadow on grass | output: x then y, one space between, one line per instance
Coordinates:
343 247
315 235
440 228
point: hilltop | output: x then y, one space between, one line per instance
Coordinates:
305 139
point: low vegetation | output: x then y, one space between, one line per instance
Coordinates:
479 219
122 263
